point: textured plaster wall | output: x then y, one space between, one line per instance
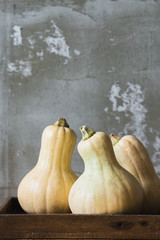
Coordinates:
93 62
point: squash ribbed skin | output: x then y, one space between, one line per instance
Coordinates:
46 187
104 186
133 156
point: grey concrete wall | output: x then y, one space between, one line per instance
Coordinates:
93 62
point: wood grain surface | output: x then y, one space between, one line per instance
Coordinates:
16 224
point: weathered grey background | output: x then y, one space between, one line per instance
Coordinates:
94 62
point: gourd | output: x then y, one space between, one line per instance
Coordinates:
46 187
104 186
133 156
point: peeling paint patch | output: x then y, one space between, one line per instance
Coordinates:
112 70
56 42
40 54
112 39
156 155
65 61
39 46
130 103
12 67
77 52
31 42
17 36
23 67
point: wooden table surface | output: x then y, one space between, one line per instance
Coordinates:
16 224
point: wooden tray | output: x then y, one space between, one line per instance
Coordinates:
16 224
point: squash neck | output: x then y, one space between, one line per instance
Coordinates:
97 166
54 162
56 153
99 155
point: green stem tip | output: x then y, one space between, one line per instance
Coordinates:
61 122
114 139
86 132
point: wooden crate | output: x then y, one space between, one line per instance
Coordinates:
16 224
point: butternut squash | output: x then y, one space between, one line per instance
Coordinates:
133 156
46 187
104 186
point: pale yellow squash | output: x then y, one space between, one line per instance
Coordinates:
104 186
133 156
46 187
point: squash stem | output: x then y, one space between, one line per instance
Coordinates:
86 132
114 139
61 122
